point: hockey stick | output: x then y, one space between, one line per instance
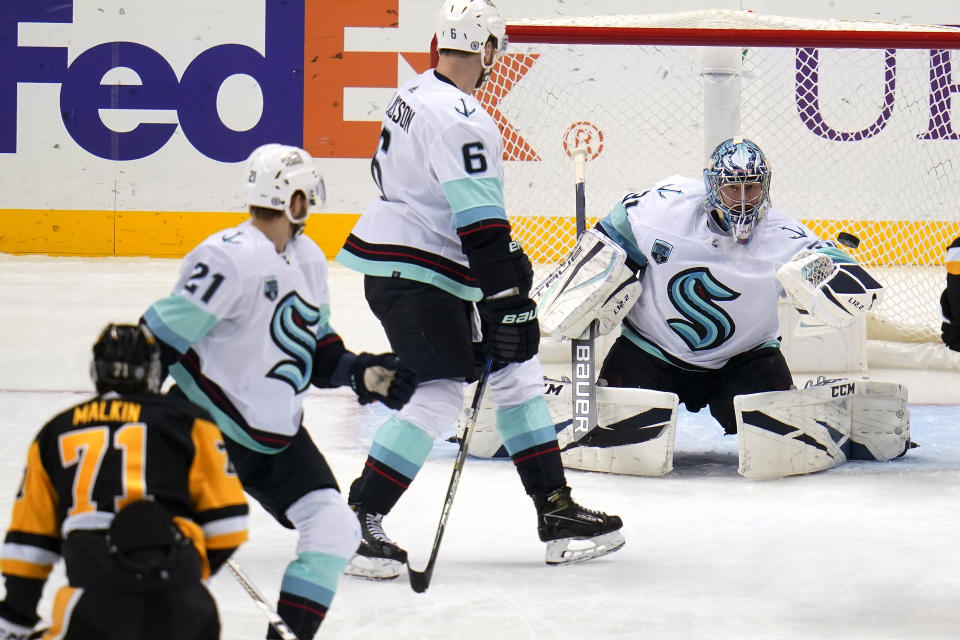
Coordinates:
420 580
582 358
275 620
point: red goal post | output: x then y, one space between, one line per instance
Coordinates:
859 120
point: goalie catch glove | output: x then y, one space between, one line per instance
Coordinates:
510 329
382 377
832 293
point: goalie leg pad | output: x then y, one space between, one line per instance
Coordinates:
881 422
635 434
592 283
782 433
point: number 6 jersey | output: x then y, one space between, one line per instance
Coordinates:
438 168
245 321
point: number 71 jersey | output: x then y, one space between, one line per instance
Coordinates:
95 458
438 168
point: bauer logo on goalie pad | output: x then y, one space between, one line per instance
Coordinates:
635 432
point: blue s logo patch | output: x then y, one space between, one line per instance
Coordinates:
271 289
661 251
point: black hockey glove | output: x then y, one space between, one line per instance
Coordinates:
511 332
951 335
382 377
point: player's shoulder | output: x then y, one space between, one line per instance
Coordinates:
667 194
173 404
445 105
784 226
234 246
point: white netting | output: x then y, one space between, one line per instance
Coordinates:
861 140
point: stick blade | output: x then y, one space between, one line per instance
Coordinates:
419 580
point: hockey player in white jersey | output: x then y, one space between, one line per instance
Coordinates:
436 248
714 256
245 332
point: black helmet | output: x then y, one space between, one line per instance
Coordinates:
126 357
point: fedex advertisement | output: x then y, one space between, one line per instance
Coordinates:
130 118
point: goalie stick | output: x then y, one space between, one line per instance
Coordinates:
420 580
275 620
582 356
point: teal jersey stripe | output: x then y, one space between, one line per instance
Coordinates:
837 255
401 445
645 345
390 269
178 322
323 325
651 348
227 426
469 216
769 343
314 576
525 425
469 193
617 226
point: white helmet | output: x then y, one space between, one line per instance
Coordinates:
466 25
274 172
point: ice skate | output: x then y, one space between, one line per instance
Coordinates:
573 533
378 557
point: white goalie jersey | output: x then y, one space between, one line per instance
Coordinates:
705 297
233 288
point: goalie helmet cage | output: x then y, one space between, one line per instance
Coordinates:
859 120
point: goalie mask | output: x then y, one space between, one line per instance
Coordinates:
466 25
275 172
126 357
737 180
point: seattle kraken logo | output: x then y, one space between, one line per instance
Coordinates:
289 329
694 293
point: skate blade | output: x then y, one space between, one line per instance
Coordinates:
572 551
373 568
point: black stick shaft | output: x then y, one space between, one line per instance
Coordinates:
420 580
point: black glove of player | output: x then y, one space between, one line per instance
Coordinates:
951 335
382 377
511 332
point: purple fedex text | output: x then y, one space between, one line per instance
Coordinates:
279 73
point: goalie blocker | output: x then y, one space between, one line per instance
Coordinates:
783 433
596 281
635 433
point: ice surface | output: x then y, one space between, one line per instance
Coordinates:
865 550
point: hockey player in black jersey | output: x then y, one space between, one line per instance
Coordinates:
950 300
134 490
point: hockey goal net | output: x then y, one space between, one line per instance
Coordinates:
860 122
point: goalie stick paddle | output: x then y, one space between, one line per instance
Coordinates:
582 352
420 580
275 620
